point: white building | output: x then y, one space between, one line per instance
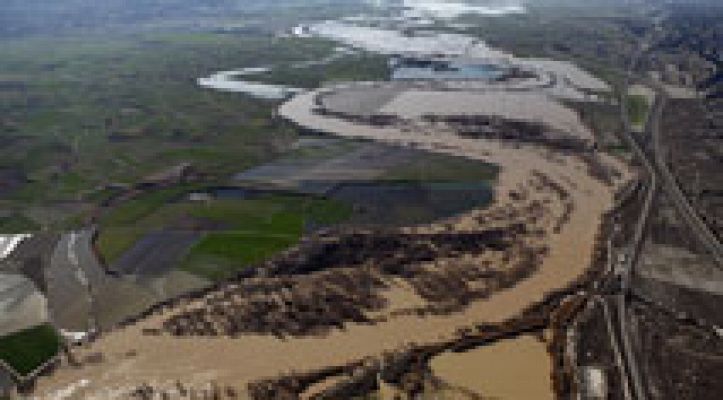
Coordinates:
593 383
8 243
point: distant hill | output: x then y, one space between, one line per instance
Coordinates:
27 17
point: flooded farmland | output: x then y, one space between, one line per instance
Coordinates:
511 369
385 185
446 70
408 203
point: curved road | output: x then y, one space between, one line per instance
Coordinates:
626 267
691 218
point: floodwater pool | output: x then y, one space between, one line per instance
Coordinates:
228 81
445 70
409 203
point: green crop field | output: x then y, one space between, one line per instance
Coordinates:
220 254
355 67
17 222
242 231
637 109
28 349
256 229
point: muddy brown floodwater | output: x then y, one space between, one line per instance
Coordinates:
510 369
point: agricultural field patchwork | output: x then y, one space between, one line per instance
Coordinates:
219 236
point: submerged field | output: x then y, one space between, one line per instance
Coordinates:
511 369
323 182
220 237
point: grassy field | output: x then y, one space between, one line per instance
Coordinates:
604 121
239 232
637 106
254 230
220 254
129 213
17 222
78 113
28 349
354 67
127 223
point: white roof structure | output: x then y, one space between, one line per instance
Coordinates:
594 383
8 243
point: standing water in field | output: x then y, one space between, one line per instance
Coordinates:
410 203
383 41
226 81
443 69
453 9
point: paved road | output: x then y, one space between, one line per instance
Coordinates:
633 250
657 171
613 335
